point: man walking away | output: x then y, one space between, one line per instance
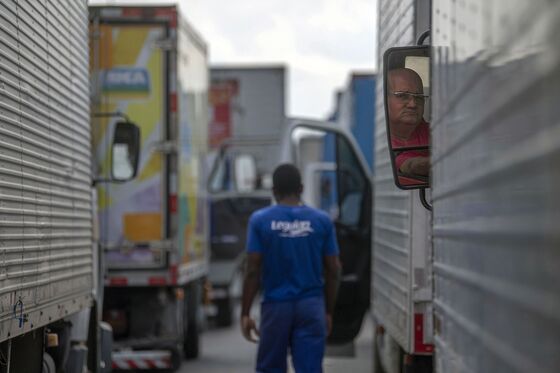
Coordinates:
292 250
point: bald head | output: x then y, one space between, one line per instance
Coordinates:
404 77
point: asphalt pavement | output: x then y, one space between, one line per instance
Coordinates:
224 350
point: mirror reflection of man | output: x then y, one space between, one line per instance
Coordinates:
408 127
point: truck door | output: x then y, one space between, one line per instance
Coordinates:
336 180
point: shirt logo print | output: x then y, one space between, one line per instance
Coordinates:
292 229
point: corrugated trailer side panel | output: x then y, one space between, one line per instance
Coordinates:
496 152
46 258
392 221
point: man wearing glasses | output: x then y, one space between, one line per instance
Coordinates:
407 125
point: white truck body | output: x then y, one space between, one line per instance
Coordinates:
47 255
490 250
402 286
495 152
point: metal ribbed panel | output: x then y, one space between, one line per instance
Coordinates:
45 196
392 223
496 152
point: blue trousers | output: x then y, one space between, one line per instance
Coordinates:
299 326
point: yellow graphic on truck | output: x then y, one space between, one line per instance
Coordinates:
163 202
129 75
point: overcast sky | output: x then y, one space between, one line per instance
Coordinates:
320 41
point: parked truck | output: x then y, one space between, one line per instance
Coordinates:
148 63
335 159
49 293
337 179
465 260
465 269
478 266
246 125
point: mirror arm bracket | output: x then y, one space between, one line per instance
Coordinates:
423 199
423 37
117 114
99 180
422 191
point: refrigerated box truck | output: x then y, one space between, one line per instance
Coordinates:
49 266
149 64
465 270
247 108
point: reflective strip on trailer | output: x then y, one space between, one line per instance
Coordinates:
142 360
118 281
144 277
420 347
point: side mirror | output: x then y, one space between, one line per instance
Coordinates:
125 151
406 83
245 173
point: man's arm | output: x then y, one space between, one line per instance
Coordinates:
332 267
250 288
416 166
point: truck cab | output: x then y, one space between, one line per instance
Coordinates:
238 185
337 180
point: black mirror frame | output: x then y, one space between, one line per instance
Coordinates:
386 105
135 137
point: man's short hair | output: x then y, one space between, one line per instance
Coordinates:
286 180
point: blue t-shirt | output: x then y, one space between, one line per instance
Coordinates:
293 241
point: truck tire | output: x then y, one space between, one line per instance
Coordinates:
419 364
176 359
377 367
377 337
191 345
193 299
48 364
224 317
388 354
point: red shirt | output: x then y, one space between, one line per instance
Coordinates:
420 137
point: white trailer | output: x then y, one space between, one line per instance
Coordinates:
49 253
489 251
495 186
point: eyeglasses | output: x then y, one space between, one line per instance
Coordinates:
405 97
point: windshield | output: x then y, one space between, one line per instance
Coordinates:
238 170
